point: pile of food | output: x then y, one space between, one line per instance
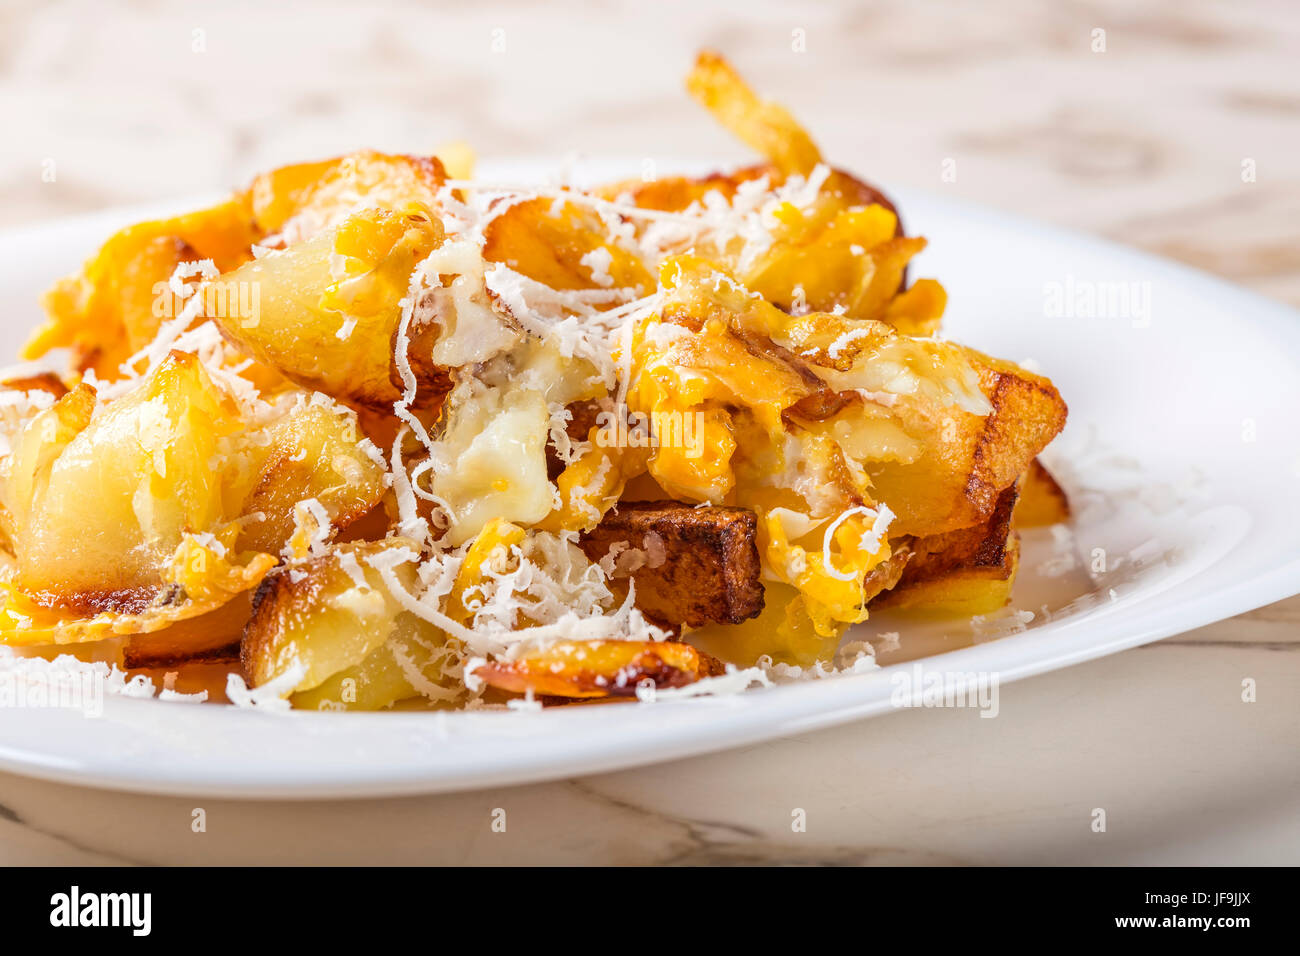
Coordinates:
375 431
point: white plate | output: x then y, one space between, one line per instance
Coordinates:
1182 456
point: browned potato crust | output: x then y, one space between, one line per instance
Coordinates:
764 126
42 382
210 637
598 668
1042 499
956 484
969 571
708 571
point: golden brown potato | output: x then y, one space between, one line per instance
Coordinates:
969 460
1042 500
327 310
676 193
560 246
42 382
334 616
196 586
99 504
764 126
964 572
311 452
836 254
962 592
213 636
307 198
318 615
116 304
157 507
598 668
691 566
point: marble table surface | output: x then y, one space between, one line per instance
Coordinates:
1144 141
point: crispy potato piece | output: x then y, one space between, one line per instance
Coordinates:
584 669
962 592
40 382
299 201
198 582
1042 500
969 460
210 637
833 254
848 259
340 340
676 193
691 566
98 505
829 260
321 617
760 124
126 517
559 248
95 507
310 453
964 572
116 304
336 617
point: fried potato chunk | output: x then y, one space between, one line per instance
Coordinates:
1042 499
969 460
328 309
845 250
762 125
564 246
210 637
587 669
691 566
334 617
312 452
964 572
196 585
294 203
157 507
99 497
115 305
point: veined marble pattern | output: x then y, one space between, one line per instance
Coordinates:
1145 143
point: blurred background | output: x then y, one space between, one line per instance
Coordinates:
1128 120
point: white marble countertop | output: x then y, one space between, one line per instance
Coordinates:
1144 143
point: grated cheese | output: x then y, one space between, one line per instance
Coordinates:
269 698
